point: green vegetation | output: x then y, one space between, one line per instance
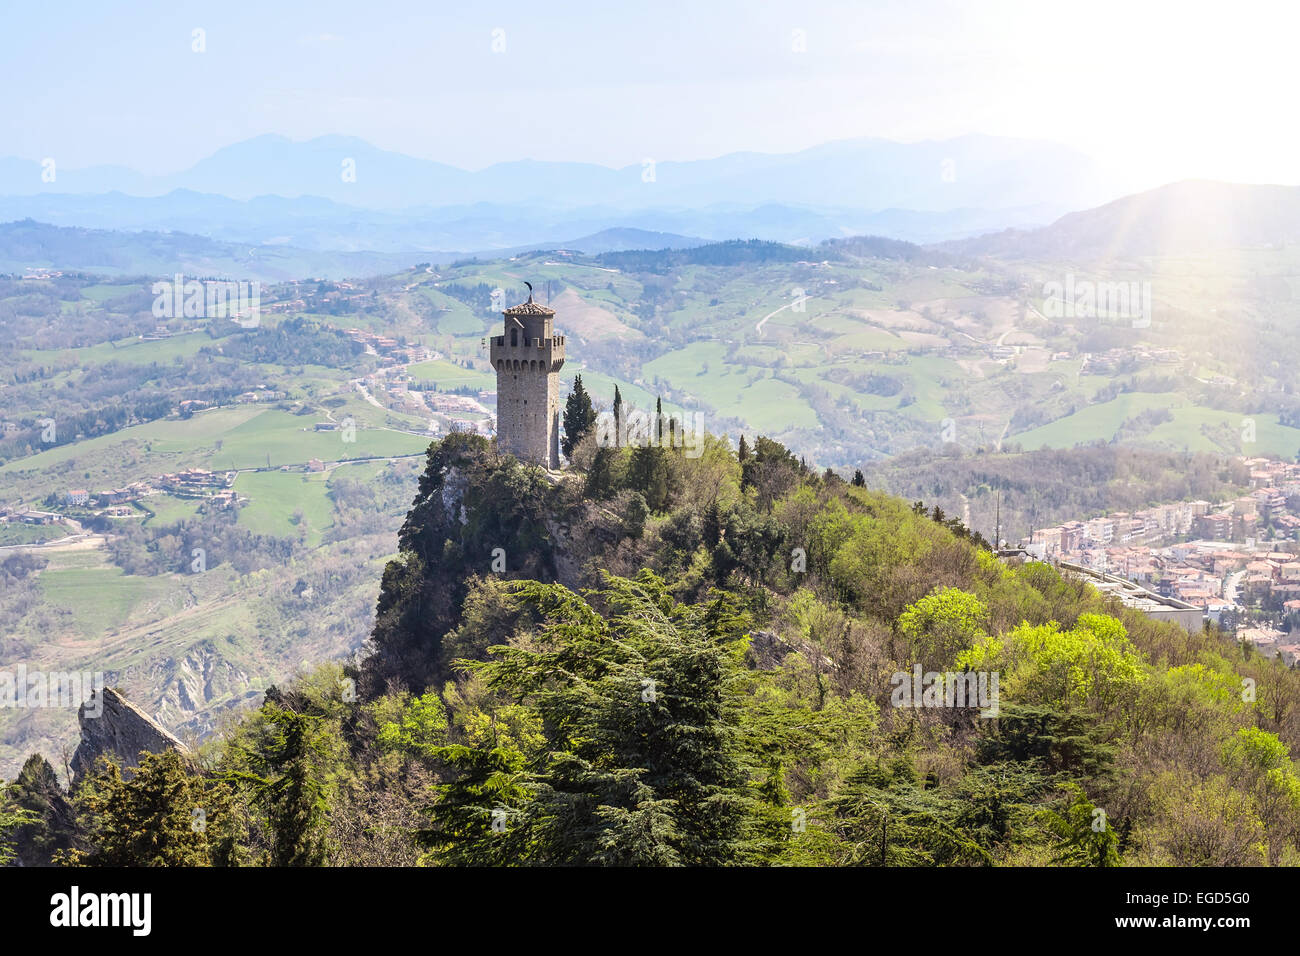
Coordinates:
783 599
663 660
286 503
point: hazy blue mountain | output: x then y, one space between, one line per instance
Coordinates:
311 222
614 240
1184 217
970 172
28 245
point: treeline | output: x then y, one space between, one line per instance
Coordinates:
296 341
67 428
733 252
879 247
20 596
478 296
113 395
201 544
1048 486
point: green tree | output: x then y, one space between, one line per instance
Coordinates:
419 727
477 819
49 824
12 817
1260 763
579 417
601 481
165 815
1084 834
641 763
651 470
618 417
285 772
883 817
942 624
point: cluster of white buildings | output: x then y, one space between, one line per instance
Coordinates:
1225 557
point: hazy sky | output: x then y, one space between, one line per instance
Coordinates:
1169 89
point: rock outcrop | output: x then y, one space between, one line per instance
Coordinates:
768 651
112 725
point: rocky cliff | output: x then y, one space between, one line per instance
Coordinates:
112 725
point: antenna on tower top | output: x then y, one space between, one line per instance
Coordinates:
530 290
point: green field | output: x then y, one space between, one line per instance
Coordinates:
275 497
1193 428
134 350
700 370
245 436
16 532
448 375
168 509
100 598
1090 424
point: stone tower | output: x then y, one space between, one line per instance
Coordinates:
528 359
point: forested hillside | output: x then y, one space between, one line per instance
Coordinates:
660 659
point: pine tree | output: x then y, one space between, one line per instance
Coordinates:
477 820
51 825
165 815
859 481
12 817
601 480
579 417
886 817
1084 836
711 525
641 765
651 471
286 778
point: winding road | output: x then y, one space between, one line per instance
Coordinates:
759 327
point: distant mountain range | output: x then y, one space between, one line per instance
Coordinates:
1186 217
314 223
970 172
342 194
27 245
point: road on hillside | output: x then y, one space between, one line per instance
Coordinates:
759 327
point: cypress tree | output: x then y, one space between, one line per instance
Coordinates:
618 417
579 417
